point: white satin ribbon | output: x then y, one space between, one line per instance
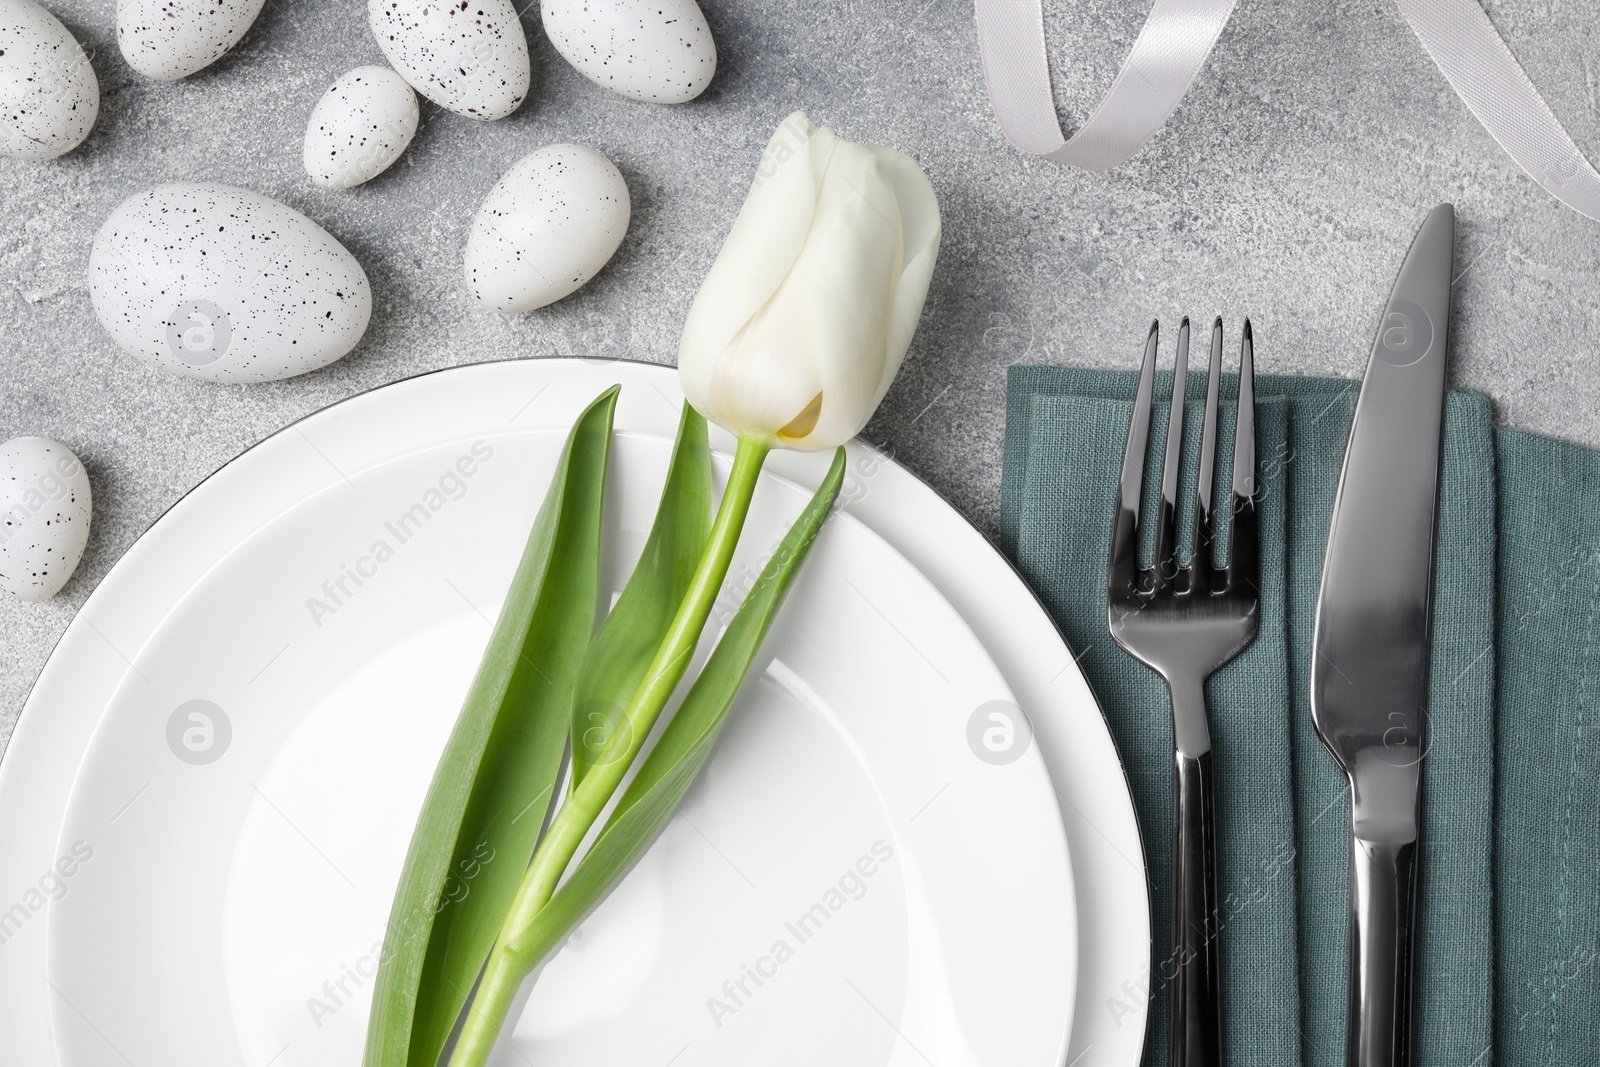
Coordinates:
1173 45
1169 52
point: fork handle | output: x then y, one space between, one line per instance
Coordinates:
1383 902
1196 1038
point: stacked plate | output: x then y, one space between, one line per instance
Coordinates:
915 844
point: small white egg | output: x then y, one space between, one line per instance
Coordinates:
44 516
646 49
546 228
359 127
215 282
171 39
49 96
470 58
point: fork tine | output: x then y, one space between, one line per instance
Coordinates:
1200 566
1124 571
1244 563
1167 531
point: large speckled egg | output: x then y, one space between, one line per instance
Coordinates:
216 282
546 228
171 39
470 58
359 127
44 516
659 52
49 96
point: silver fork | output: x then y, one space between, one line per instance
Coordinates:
1185 623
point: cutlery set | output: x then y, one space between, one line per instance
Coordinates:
1370 648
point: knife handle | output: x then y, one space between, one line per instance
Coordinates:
1383 902
1195 1035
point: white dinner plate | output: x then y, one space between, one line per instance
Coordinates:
222 870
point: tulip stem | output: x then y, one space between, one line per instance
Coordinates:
512 958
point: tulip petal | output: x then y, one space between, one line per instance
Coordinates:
855 260
921 229
765 241
756 383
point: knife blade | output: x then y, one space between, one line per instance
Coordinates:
1369 674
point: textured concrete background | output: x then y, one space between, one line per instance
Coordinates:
1285 188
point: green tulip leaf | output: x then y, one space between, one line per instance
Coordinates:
672 766
491 792
621 652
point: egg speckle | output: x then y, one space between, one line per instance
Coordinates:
469 57
546 228
44 516
49 96
171 39
225 284
359 127
661 52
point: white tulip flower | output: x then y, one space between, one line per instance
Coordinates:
791 342
805 317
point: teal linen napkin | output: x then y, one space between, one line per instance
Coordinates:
1510 912
1547 767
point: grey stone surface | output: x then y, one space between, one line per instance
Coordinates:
1286 188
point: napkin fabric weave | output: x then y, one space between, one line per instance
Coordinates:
1508 966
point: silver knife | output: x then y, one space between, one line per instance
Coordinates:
1369 666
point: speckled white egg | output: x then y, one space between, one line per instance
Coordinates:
44 516
216 282
49 96
661 52
470 58
171 39
359 127
546 228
